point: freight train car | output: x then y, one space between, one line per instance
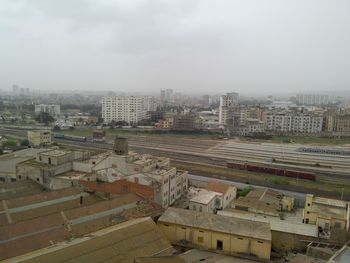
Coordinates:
69 137
271 170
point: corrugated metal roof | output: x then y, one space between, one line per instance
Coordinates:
121 243
224 224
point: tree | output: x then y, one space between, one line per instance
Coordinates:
44 117
24 142
56 128
10 143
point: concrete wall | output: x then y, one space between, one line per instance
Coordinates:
208 239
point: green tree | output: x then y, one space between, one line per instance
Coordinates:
44 117
24 142
10 143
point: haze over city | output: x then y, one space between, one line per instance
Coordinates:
187 131
250 47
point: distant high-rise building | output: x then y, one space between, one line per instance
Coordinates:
53 110
312 99
130 109
227 104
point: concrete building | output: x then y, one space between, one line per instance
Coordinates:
228 192
252 126
53 110
130 109
292 121
216 232
47 165
342 122
227 102
39 138
288 234
326 213
9 161
168 183
312 99
265 202
187 122
206 201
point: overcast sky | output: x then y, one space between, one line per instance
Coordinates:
204 46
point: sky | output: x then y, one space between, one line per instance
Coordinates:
191 46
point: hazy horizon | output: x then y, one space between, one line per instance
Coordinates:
209 47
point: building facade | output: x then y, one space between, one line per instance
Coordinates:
53 110
130 109
39 138
292 121
215 232
227 102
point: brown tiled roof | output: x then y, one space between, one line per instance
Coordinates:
217 186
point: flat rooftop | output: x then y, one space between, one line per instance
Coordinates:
9 161
330 202
204 196
55 153
224 224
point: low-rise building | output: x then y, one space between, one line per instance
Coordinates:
228 192
326 213
217 232
264 201
206 201
188 122
39 138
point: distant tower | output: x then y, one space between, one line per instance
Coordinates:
121 146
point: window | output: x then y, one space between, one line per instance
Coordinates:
219 244
260 242
200 209
200 239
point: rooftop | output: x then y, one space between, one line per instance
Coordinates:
258 205
51 221
224 224
275 223
55 153
204 196
8 161
342 256
330 202
120 243
19 189
218 186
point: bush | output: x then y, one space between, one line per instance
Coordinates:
10 143
278 180
24 142
244 191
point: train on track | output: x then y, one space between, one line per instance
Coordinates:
324 151
70 137
271 170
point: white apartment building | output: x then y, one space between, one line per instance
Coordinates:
312 99
288 121
53 110
227 102
131 109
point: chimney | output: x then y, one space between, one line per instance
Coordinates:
121 146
